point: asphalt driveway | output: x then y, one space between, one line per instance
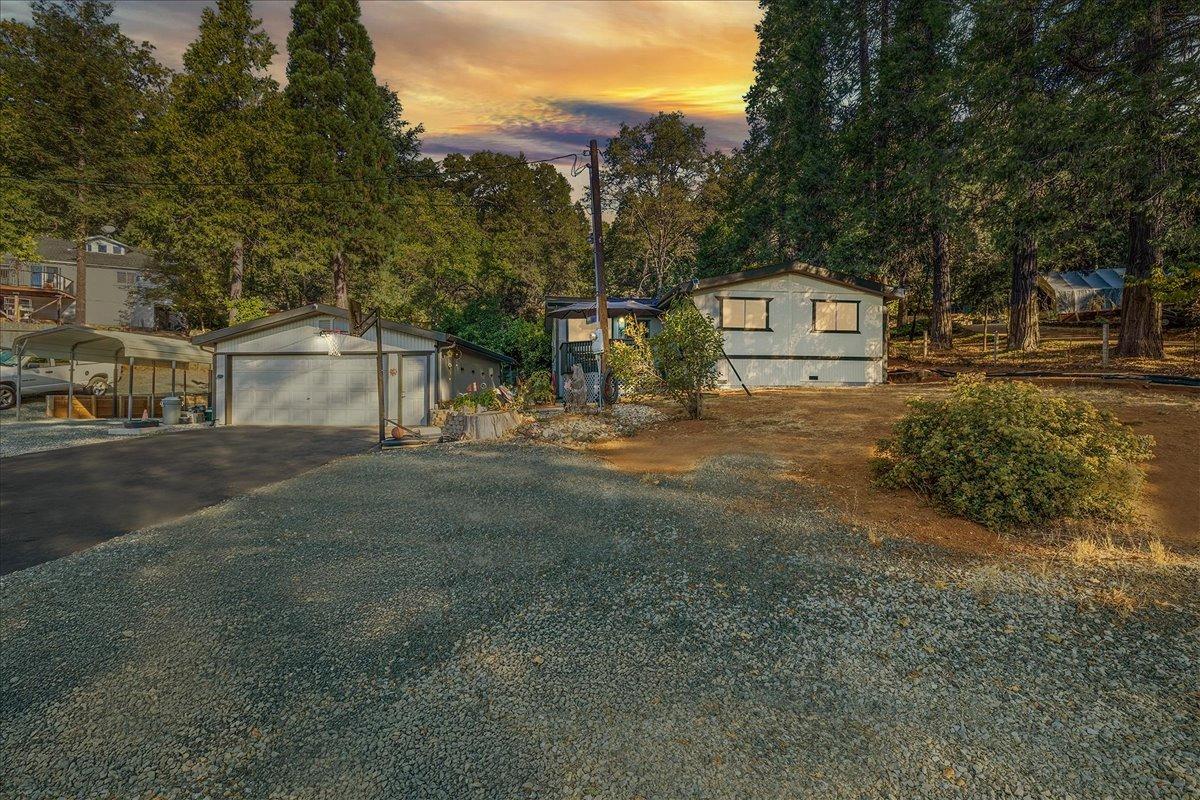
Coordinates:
510 621
59 502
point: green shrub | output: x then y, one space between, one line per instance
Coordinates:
679 362
1009 454
632 361
486 399
536 390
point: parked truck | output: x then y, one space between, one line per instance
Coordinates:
41 376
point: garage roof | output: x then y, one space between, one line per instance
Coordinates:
321 309
94 344
310 310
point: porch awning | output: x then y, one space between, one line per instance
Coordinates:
92 344
616 308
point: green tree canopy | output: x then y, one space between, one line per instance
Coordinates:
537 237
654 178
349 138
220 155
82 97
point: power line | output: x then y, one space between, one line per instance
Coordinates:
439 173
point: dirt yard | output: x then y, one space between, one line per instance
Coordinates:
1063 348
826 438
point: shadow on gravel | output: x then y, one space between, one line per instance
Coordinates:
514 621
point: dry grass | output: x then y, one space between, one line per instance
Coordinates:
1063 349
1118 599
1099 549
988 581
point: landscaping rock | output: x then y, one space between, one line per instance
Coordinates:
623 419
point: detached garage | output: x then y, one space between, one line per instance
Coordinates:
302 367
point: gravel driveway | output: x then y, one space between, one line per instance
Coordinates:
514 621
35 436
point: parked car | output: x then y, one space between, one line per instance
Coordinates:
45 375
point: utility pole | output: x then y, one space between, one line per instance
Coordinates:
598 261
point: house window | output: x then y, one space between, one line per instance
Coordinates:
333 324
102 248
835 316
746 313
40 276
126 278
10 306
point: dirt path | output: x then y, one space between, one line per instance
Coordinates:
827 437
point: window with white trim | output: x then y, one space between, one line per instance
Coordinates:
333 324
835 316
745 313
126 278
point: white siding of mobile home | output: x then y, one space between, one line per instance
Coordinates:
792 353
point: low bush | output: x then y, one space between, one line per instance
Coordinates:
535 390
1009 454
486 399
679 362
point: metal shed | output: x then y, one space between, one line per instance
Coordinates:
81 343
1082 292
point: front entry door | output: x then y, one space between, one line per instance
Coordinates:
414 392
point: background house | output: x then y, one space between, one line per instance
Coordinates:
44 290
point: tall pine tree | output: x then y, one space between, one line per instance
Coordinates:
83 94
1019 135
790 153
1153 100
916 98
348 137
219 149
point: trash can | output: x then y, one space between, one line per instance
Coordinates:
170 410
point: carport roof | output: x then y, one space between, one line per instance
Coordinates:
93 344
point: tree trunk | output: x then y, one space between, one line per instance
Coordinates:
341 297
1023 332
885 14
864 57
940 331
235 279
1141 312
81 268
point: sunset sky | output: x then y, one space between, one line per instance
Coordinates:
537 77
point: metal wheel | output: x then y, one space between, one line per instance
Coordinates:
98 386
8 396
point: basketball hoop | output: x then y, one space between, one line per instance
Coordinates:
333 341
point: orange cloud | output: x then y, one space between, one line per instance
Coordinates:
532 76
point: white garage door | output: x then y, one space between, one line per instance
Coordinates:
305 390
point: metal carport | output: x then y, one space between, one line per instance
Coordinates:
81 343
